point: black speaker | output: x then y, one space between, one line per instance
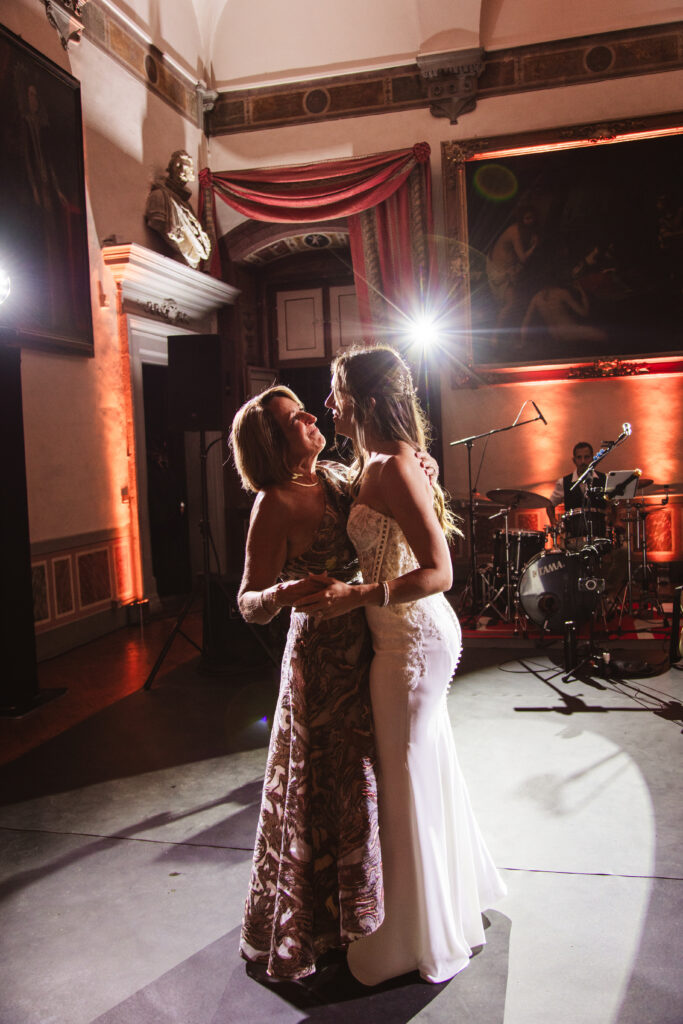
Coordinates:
18 679
196 382
230 642
676 637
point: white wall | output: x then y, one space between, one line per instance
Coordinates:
305 38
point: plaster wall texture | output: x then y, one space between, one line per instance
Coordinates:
520 22
532 457
353 35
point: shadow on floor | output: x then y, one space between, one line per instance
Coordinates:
185 717
214 987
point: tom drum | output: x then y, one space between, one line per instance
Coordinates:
581 526
522 544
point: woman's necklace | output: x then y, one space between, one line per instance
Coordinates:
298 482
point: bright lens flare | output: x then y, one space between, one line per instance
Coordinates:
423 332
4 285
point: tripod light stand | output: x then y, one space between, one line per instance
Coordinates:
211 650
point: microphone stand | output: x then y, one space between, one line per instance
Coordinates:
607 447
469 442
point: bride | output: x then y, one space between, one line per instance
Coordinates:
438 873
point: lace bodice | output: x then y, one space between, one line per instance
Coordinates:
384 554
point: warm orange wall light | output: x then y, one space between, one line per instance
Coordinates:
123 471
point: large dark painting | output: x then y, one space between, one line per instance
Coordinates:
575 254
43 239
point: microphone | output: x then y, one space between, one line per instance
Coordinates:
543 417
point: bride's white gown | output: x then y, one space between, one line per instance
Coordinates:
438 873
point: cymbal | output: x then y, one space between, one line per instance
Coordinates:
518 499
663 489
481 504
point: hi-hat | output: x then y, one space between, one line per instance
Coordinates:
518 499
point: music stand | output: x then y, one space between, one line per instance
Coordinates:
622 483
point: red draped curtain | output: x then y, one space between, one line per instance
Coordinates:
387 200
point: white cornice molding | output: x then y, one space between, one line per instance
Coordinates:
145 276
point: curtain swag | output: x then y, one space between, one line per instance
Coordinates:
308 192
386 198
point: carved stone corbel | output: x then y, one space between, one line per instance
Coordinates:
206 100
452 81
65 16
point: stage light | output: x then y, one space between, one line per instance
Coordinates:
4 285
423 332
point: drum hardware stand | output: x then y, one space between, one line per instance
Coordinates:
627 590
469 442
647 599
511 612
491 603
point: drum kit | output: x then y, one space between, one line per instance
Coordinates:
559 575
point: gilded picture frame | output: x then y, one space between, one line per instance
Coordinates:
43 233
566 247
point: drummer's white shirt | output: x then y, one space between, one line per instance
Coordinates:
557 497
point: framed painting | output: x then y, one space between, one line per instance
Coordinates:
43 235
565 249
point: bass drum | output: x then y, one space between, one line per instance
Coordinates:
559 586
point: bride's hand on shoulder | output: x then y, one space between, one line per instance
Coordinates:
428 465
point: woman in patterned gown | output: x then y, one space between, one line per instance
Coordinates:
316 876
438 874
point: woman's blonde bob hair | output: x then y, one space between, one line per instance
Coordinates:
379 385
259 447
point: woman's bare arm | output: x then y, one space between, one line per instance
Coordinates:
266 553
407 497
260 596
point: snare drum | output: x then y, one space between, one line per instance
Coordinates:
523 545
581 526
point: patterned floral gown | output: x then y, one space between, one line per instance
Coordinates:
316 879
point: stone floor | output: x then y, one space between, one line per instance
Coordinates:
127 818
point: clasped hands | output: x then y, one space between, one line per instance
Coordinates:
319 595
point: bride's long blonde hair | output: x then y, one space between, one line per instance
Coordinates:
378 373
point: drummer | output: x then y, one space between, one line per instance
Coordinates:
582 456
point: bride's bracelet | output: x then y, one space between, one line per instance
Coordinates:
385 595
